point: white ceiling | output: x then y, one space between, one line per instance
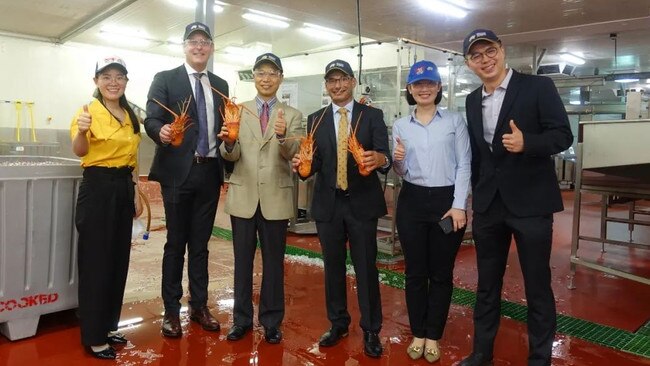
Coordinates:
524 26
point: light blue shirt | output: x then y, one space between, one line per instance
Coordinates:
437 154
492 107
259 102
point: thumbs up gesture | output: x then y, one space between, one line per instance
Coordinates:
280 126
513 142
84 120
399 151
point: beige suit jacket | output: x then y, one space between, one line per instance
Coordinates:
262 172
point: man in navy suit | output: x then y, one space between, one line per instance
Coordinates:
516 122
190 175
347 205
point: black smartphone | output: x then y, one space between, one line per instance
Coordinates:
446 224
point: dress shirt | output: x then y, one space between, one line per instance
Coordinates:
492 107
209 106
337 117
437 154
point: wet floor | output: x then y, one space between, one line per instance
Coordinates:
604 300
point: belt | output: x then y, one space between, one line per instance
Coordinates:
203 159
342 193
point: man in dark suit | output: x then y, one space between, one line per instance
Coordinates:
516 122
346 205
190 175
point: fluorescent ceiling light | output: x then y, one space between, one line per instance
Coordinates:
572 58
132 37
192 4
444 8
626 80
266 19
574 102
316 31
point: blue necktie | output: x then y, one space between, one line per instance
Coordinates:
202 146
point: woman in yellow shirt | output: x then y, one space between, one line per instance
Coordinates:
105 135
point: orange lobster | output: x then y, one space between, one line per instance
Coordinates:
181 122
307 149
232 115
355 147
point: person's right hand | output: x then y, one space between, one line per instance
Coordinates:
223 135
295 162
400 151
84 120
165 134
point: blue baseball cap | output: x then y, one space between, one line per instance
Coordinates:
423 70
340 65
479 35
270 59
196 27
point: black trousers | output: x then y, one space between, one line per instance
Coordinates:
190 210
362 235
429 256
273 242
493 231
104 220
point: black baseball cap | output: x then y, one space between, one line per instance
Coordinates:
339 65
479 35
268 58
196 27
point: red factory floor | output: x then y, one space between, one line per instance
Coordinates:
600 301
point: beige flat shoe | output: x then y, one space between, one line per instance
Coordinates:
432 354
414 351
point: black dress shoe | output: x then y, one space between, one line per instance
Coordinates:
332 337
203 317
272 335
371 345
237 332
476 359
171 326
107 354
117 338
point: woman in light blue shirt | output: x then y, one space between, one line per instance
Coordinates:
432 155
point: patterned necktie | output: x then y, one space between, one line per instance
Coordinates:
264 117
342 151
202 145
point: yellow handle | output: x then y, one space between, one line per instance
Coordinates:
19 111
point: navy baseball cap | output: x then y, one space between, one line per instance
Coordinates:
423 70
196 27
114 61
340 65
268 58
479 35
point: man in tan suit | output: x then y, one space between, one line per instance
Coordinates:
260 198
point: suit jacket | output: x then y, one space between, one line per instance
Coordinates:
171 165
526 181
366 195
262 172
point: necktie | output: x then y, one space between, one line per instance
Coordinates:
202 145
264 117
342 151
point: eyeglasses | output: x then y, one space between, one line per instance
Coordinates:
477 57
105 78
342 80
196 42
270 74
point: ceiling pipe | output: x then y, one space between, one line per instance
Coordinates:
94 20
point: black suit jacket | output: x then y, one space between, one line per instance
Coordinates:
366 195
526 181
171 165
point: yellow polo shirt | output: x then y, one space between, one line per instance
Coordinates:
111 144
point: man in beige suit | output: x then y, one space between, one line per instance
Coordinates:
260 198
